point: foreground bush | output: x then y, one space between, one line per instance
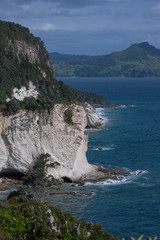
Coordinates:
32 220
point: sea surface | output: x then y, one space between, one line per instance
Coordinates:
131 141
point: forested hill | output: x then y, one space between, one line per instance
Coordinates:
139 60
27 79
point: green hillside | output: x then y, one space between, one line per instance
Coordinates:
139 60
24 60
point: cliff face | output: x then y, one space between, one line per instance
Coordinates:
27 134
34 121
25 65
93 121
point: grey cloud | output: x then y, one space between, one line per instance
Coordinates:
156 9
34 9
82 3
63 4
86 26
95 42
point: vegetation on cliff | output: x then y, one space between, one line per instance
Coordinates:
24 59
37 174
22 218
91 98
139 60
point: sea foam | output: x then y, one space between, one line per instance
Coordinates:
102 148
102 115
121 179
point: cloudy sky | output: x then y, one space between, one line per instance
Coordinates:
93 27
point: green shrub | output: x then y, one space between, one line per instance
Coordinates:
23 194
68 116
37 173
14 225
31 220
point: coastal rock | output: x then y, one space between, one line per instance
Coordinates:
93 121
27 134
22 48
23 92
95 148
111 105
7 182
102 174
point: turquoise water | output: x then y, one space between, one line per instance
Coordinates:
131 141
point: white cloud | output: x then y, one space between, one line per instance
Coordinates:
44 27
113 0
156 9
25 7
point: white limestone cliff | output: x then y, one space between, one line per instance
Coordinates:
93 121
27 134
23 92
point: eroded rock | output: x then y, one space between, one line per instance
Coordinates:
27 134
93 121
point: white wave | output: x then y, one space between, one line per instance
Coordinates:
109 182
102 149
102 115
107 148
139 172
122 106
100 111
121 179
125 106
144 185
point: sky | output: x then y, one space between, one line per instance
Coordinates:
91 27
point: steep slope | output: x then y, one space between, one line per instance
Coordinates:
32 220
139 60
28 134
38 115
26 71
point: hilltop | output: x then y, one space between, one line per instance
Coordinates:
139 60
27 79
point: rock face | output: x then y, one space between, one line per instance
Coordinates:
93 121
31 85
21 48
27 134
23 92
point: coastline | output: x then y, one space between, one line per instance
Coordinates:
104 174
99 173
111 105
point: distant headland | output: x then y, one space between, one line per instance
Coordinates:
139 60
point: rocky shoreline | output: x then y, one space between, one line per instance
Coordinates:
74 193
108 105
97 173
6 183
101 174
95 148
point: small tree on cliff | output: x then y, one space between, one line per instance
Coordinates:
37 175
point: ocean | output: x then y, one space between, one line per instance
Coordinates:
130 141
